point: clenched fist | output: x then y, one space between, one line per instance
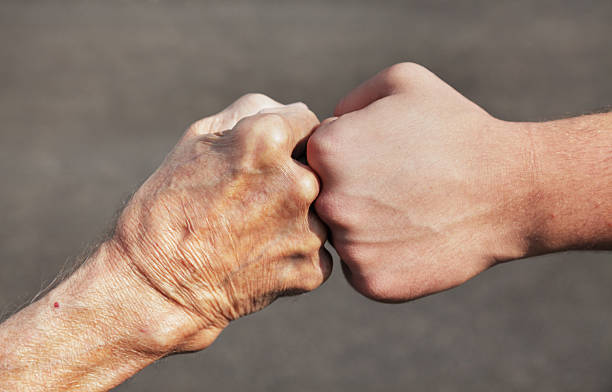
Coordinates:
220 230
422 189
223 227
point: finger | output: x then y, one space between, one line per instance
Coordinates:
369 91
276 130
247 105
325 152
327 121
316 226
325 264
309 274
383 84
317 135
301 121
307 182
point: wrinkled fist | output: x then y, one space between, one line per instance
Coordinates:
224 226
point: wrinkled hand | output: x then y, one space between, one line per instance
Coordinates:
223 227
421 188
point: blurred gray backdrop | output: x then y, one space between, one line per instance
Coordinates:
93 94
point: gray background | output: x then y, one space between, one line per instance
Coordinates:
93 94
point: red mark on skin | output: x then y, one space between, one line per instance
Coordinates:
56 305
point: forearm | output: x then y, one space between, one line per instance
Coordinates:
572 166
90 333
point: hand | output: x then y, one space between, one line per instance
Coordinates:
223 227
421 188
220 230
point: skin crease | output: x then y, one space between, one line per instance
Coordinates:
422 189
223 227
220 230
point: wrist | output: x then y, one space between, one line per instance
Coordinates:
99 319
153 324
509 175
571 207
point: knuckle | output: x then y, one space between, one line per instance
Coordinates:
317 228
255 99
401 74
324 150
263 136
325 207
312 242
311 282
366 279
373 286
326 264
274 139
333 210
266 121
352 254
243 127
197 128
364 272
307 186
321 143
271 131
308 244
313 275
387 285
310 269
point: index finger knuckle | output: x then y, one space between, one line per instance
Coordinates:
270 131
324 146
263 137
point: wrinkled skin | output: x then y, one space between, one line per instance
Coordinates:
421 188
223 227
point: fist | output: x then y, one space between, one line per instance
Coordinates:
224 226
421 188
